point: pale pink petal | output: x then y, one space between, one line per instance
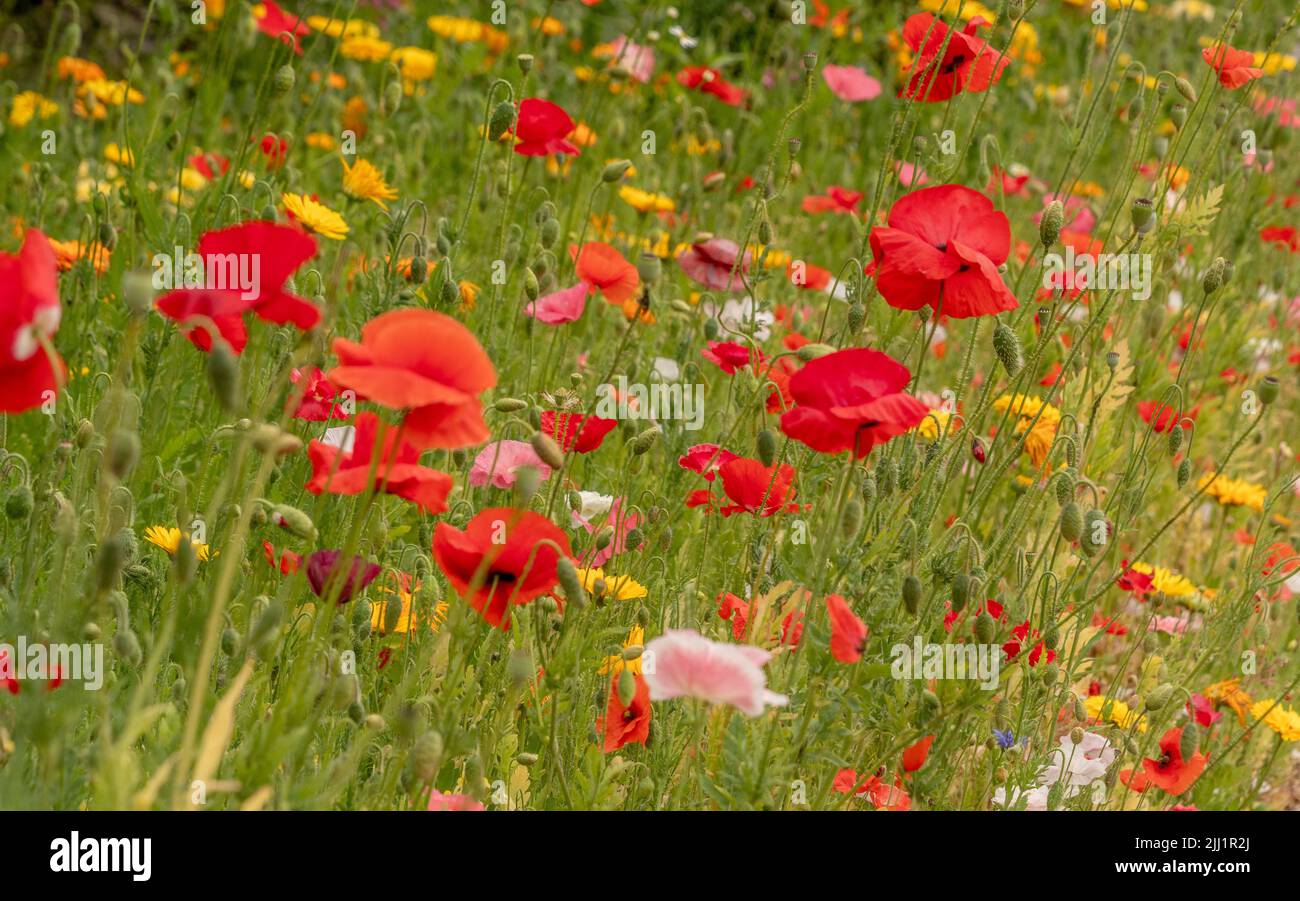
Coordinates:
851 83
559 307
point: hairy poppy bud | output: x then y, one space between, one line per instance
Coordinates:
569 581
503 116
426 756
911 593
1189 741
19 502
509 405
985 627
546 448
856 316
109 560
127 646
626 687
1175 439
283 81
977 449
644 440
1071 522
766 446
1007 346
1049 227
1213 278
1184 472
123 453
1185 88
1159 696
851 519
960 591
813 351
293 521
1096 532
223 374
1178 114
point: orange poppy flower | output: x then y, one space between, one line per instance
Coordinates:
604 269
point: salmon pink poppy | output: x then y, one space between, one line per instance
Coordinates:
425 363
543 129
603 269
576 432
942 247
503 557
1234 67
716 263
689 665
851 400
848 633
625 724
500 461
710 81
850 83
560 307
30 370
441 801
967 62
397 471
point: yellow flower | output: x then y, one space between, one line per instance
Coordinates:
550 26
364 182
969 9
365 48
1025 408
111 93
469 293
119 155
415 63
936 423
1233 492
617 588
465 31
1229 692
315 216
79 70
1282 720
379 611
30 105
646 201
1166 581
169 539
615 663
320 140
343 28
67 253
1114 710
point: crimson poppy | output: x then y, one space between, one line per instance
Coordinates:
322 567
1169 772
968 63
626 724
576 432
848 633
503 557
423 362
543 128
1233 66
282 26
942 247
706 459
710 81
30 370
603 269
729 356
752 488
851 400
1162 417
348 469
287 562
317 402
914 757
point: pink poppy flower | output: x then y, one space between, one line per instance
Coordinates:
851 83
559 307
909 175
686 664
620 523
637 60
499 462
710 263
440 801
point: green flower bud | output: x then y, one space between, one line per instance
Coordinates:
1190 741
1185 88
1268 389
509 405
644 440
1049 227
426 757
911 593
546 448
1213 278
567 574
127 646
1184 472
960 591
19 502
223 374
615 171
985 628
851 519
766 445
1175 438
1007 346
293 521
813 351
1071 522
283 81
626 687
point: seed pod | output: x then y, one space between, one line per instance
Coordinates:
960 591
1049 227
1007 346
1178 113
911 593
1071 522
1268 389
766 446
546 448
1143 215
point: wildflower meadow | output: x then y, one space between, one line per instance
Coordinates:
629 405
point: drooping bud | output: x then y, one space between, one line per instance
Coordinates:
851 519
645 440
1185 88
569 581
223 374
1159 696
1071 522
1175 438
813 351
1184 472
626 687
615 171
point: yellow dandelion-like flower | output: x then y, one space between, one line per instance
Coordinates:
120 155
1026 407
342 28
405 598
415 63
364 182
320 140
466 31
469 293
110 93
169 539
1166 581
365 48
67 253
615 663
936 423
1233 492
30 105
1282 720
315 216
646 201
617 588
1114 710
79 70
1230 692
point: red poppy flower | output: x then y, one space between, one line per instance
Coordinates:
752 488
624 725
968 62
881 794
851 400
245 267
542 129
348 470
991 607
30 371
1012 185
209 165
729 356
1022 635
1203 710
604 269
317 403
942 247
575 432
779 373
848 633
287 562
1169 772
1282 235
423 362
706 459
710 81
711 264
282 26
914 757
1135 582
275 150
835 200
1162 416
1233 65
500 559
